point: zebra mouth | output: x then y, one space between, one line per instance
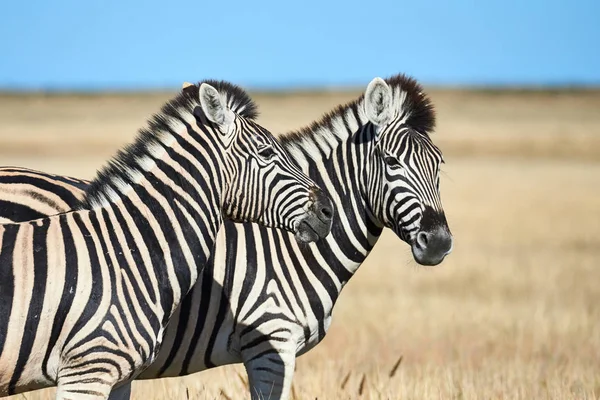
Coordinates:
305 234
316 223
311 228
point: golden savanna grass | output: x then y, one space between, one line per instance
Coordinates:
513 313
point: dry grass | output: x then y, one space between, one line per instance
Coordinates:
514 313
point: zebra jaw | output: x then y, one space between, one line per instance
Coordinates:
307 233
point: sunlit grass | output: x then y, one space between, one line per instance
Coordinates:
514 312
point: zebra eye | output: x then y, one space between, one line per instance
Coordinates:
392 161
267 153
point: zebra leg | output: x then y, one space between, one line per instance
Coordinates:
270 372
90 378
90 388
121 393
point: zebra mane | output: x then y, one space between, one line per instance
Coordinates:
124 167
409 100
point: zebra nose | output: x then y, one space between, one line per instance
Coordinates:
431 247
316 223
323 208
423 239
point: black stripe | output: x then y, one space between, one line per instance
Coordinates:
88 392
95 297
314 301
167 218
157 256
123 267
40 268
263 338
107 249
134 251
184 314
79 372
98 352
251 261
65 194
17 212
226 289
278 256
7 279
68 294
205 297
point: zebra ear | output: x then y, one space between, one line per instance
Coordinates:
214 107
378 102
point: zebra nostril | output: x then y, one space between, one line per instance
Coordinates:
422 239
326 212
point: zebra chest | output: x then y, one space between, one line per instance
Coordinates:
155 348
316 332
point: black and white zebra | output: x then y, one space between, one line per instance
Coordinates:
265 299
85 296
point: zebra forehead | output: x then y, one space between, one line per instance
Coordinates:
413 142
256 133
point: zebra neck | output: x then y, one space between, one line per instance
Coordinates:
173 206
337 158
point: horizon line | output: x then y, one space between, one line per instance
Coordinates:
141 89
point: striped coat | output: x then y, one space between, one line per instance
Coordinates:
263 299
86 295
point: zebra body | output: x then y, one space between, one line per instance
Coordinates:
27 195
86 295
263 299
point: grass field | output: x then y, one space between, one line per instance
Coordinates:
513 313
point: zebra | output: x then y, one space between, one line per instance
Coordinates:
85 296
274 298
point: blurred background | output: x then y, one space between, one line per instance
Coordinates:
514 312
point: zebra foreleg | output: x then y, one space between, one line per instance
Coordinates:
87 389
270 373
88 377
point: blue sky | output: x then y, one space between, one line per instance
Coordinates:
136 44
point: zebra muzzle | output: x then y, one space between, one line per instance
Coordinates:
315 224
430 248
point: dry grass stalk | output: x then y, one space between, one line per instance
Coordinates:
345 380
361 387
395 367
243 380
511 314
224 395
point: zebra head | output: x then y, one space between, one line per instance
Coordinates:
404 183
261 182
